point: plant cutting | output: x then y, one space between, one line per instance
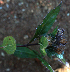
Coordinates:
49 42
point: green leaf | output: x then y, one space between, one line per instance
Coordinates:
9 44
24 52
63 60
46 64
43 61
47 22
55 31
43 44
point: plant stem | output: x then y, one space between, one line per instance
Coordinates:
27 45
1 47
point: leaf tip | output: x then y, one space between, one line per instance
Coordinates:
60 3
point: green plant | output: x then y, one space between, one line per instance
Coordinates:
49 43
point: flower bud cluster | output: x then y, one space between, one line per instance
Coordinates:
57 42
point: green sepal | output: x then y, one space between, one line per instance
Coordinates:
43 44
